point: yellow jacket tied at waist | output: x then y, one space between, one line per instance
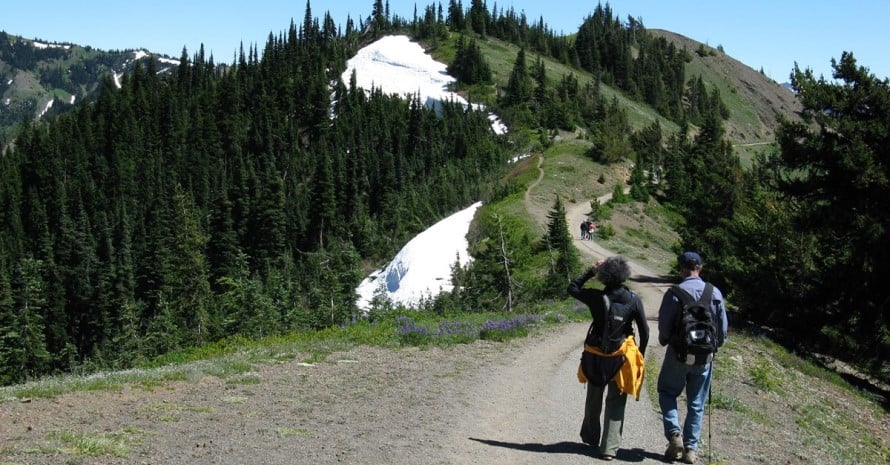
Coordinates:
629 377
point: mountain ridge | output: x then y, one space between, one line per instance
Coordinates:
39 79
755 101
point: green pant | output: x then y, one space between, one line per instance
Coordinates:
609 436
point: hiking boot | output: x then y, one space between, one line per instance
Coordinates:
675 447
689 455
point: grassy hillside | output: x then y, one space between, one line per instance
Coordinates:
755 101
501 56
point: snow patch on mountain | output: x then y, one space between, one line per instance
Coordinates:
397 66
422 269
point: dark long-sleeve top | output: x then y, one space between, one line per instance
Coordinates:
670 305
593 298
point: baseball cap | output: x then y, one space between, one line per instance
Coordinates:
689 258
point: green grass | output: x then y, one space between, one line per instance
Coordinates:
236 360
501 57
741 112
766 376
573 177
245 380
228 367
115 444
641 233
825 409
650 380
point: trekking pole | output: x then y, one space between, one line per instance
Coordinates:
710 390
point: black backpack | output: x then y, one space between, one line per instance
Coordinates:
694 338
614 333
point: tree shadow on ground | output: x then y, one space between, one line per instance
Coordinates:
661 279
576 448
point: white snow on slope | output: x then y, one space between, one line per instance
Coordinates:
42 45
422 269
396 65
45 109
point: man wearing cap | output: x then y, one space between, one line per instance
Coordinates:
677 375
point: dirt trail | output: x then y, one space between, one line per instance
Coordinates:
529 410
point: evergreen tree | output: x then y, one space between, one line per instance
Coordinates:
455 19
519 85
222 246
268 225
648 146
478 17
10 343
379 19
469 66
490 282
839 184
245 308
186 283
565 260
24 339
638 186
609 136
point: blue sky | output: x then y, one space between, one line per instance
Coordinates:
769 35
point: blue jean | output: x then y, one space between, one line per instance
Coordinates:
672 380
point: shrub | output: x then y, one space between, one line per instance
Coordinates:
606 231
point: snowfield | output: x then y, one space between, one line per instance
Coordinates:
398 66
422 269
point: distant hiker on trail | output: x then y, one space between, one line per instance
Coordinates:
585 228
692 338
611 356
591 230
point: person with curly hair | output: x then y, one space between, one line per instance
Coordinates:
612 362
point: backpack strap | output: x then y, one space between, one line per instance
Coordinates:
681 294
608 331
686 298
607 321
685 301
606 316
707 295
